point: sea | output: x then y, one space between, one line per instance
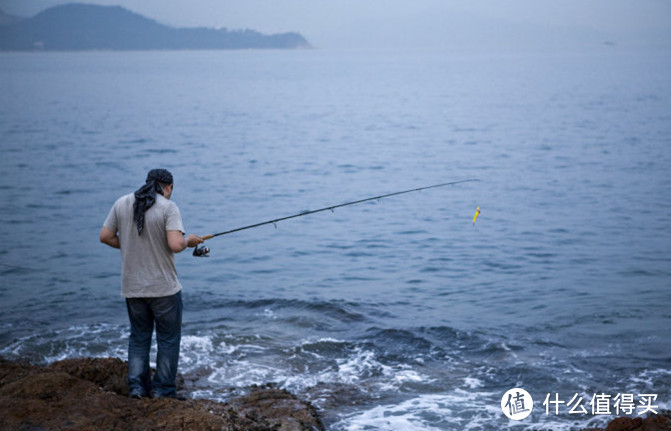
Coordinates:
399 313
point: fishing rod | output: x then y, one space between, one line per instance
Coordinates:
204 251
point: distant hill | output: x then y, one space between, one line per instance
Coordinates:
76 27
6 19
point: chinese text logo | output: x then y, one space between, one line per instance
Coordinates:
517 404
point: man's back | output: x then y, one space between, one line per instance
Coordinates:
147 263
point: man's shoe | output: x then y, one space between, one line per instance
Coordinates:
136 394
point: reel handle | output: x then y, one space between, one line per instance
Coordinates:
202 251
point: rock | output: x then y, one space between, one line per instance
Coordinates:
624 424
111 374
661 422
279 407
84 394
651 423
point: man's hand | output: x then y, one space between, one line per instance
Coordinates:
178 242
193 240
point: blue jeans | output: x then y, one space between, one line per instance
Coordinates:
166 313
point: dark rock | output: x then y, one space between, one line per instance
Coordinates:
108 373
660 422
84 394
651 423
280 408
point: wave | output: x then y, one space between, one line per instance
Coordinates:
424 378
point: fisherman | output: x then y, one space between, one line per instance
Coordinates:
147 227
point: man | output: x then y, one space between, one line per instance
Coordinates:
147 227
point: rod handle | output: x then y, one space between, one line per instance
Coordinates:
206 237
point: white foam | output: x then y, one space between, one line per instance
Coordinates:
403 376
427 413
473 383
242 373
363 365
99 340
322 340
646 378
240 366
268 314
196 342
196 349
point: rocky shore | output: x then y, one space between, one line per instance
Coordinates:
92 394
651 423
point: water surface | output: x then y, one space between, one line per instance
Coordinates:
393 314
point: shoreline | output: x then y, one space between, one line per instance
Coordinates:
92 393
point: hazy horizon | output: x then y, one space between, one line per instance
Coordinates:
417 24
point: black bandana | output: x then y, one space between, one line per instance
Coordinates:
145 196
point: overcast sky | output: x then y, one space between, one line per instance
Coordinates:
409 23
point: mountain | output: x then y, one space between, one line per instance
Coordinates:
6 19
76 27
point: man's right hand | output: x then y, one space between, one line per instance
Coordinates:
193 240
178 242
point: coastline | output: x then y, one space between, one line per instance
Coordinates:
92 393
87 393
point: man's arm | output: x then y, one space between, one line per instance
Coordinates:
178 242
109 237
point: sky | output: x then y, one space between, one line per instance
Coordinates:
411 23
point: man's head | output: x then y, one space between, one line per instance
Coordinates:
159 181
164 179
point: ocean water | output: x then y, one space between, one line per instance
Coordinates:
397 314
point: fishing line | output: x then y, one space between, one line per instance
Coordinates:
204 251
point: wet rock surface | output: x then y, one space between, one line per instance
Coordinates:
86 394
661 422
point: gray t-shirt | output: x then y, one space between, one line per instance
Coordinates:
147 263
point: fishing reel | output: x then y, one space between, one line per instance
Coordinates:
201 251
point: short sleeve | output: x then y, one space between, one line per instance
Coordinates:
112 222
173 218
